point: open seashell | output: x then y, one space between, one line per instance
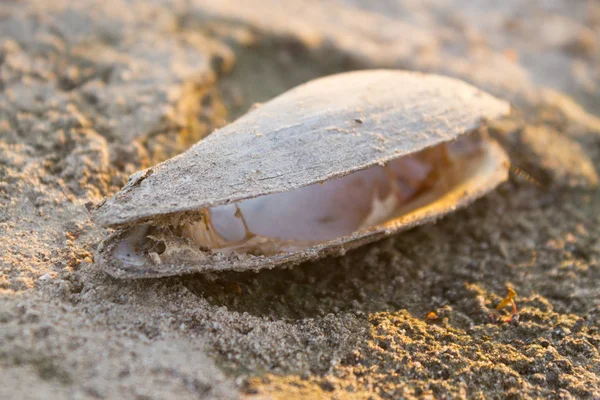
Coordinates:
325 167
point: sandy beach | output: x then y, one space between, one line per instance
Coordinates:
93 91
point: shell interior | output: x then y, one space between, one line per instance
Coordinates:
307 222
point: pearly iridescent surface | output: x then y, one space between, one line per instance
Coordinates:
325 211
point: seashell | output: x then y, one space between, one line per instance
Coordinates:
325 167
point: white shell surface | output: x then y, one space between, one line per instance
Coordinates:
323 129
119 256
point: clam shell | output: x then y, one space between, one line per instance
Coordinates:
318 131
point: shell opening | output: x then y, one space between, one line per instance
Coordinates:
323 212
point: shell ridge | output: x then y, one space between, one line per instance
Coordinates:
218 169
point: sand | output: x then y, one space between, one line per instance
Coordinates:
93 91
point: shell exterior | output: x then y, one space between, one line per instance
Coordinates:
317 131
